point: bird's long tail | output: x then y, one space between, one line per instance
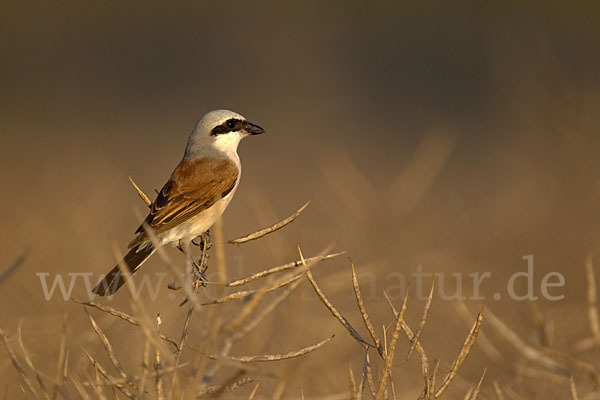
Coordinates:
132 261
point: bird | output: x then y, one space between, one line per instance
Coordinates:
194 197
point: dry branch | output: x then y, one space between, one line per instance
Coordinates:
121 315
361 388
271 357
293 282
390 357
270 229
462 355
158 382
31 365
280 268
592 298
354 394
574 364
363 312
424 360
253 393
228 387
345 323
422 323
184 334
498 391
475 393
81 390
283 281
265 311
368 372
17 366
482 339
107 346
62 363
139 191
246 293
525 350
573 388
113 383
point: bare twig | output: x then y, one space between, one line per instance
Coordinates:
216 390
253 393
242 294
345 323
271 357
284 281
424 361
369 373
65 374
462 355
107 346
145 367
280 268
16 364
265 311
385 351
184 334
31 365
160 390
422 323
270 229
220 251
482 339
525 350
476 390
573 388
498 391
390 357
139 191
292 278
574 364
241 317
99 368
62 363
121 315
432 381
363 312
80 389
592 298
354 394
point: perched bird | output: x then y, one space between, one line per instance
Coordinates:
196 194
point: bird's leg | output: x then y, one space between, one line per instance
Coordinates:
198 277
199 266
204 243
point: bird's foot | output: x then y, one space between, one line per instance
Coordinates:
203 241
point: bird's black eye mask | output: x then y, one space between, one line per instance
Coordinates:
231 125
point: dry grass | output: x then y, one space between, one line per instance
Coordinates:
168 367
160 373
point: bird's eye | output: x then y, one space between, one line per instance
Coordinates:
230 124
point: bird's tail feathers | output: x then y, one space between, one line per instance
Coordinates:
132 261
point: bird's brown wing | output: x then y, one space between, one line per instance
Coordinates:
194 186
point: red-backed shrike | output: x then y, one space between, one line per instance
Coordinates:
195 195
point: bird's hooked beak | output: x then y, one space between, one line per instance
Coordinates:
253 129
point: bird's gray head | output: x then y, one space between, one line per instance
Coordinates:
221 131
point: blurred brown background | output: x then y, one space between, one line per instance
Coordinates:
460 138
